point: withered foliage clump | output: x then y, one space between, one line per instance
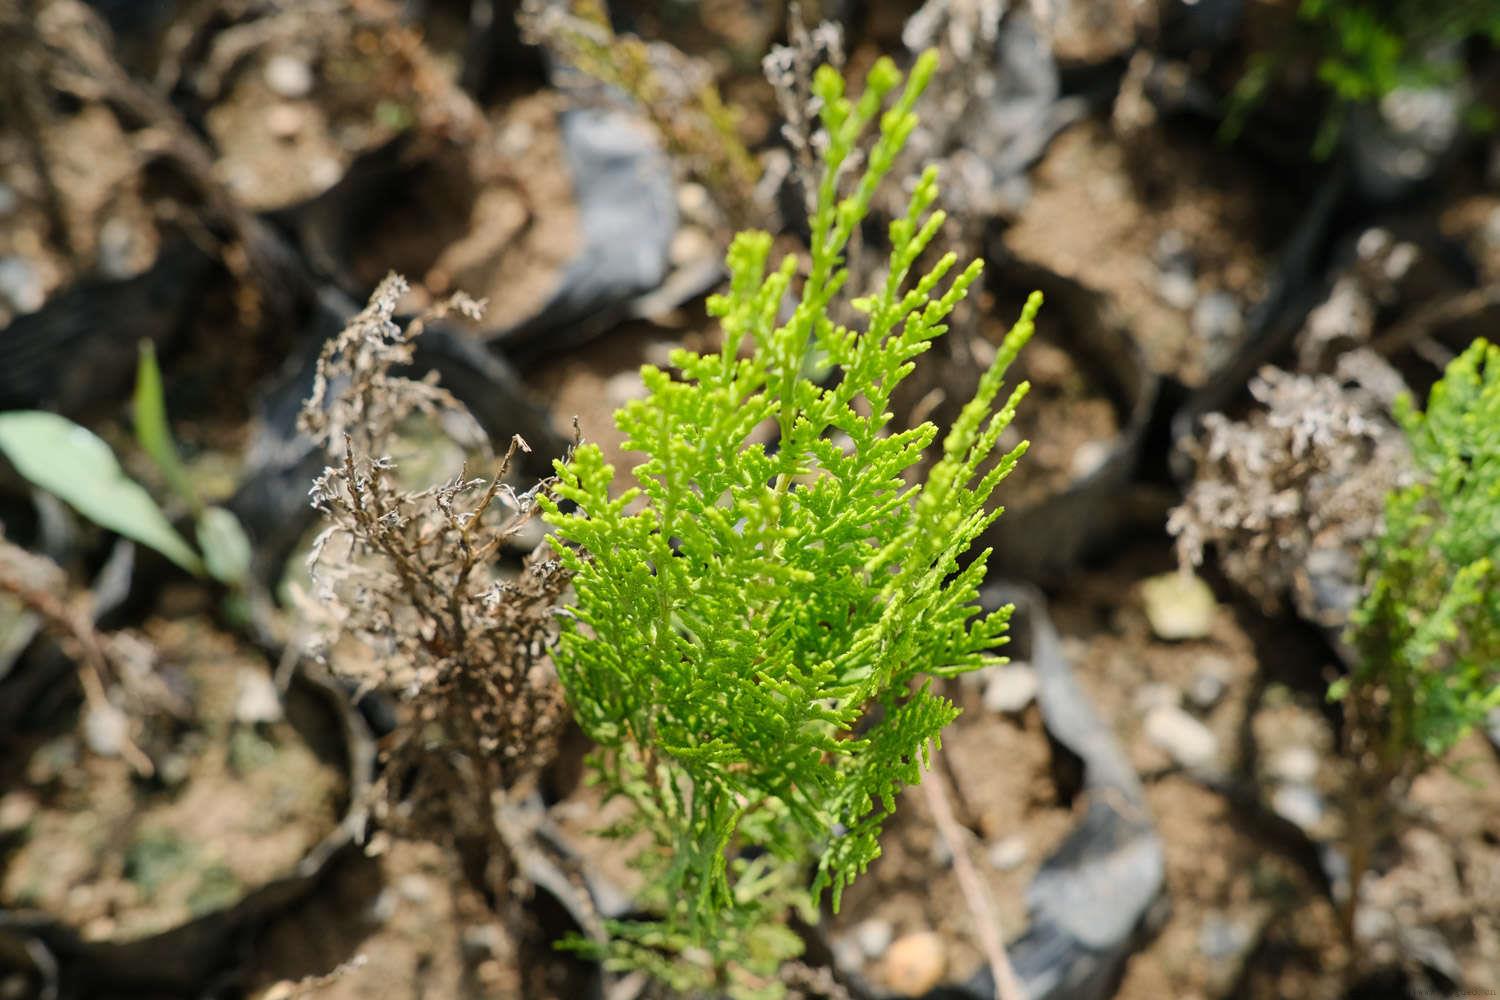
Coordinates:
1289 496
415 578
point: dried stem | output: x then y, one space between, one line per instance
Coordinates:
986 926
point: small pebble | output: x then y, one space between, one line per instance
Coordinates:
256 699
1176 289
21 284
1299 803
1088 458
1011 689
1217 317
1009 854
289 76
1178 605
105 729
1186 740
16 811
874 936
415 888
1206 691
693 201
1296 764
117 245
482 942
914 964
8 199
324 172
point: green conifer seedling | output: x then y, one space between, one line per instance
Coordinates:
757 628
1427 633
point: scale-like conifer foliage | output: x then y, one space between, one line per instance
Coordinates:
1428 630
757 627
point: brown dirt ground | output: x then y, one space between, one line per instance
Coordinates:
118 859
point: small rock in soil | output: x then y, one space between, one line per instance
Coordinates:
1208 686
914 964
1009 854
118 244
1186 740
482 943
8 199
256 699
21 284
1011 689
16 810
1299 803
846 953
415 888
1218 322
1178 606
289 76
874 936
1296 764
1087 458
105 730
1176 289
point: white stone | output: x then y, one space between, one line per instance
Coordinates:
1178 605
1008 854
1011 689
1295 764
874 936
289 76
1186 740
256 699
1299 803
1088 458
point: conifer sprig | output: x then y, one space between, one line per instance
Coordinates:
756 629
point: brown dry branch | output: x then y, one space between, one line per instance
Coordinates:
414 577
976 897
1296 489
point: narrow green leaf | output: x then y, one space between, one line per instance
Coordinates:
225 547
152 430
67 460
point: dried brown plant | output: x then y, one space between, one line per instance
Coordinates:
1289 496
415 578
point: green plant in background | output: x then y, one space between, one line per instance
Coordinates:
1427 633
72 463
756 629
1364 49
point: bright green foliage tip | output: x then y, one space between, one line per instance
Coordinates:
756 628
1428 630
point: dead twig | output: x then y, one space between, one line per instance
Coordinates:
986 926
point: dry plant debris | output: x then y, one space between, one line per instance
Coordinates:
1295 490
413 576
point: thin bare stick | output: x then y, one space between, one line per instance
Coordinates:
986 926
